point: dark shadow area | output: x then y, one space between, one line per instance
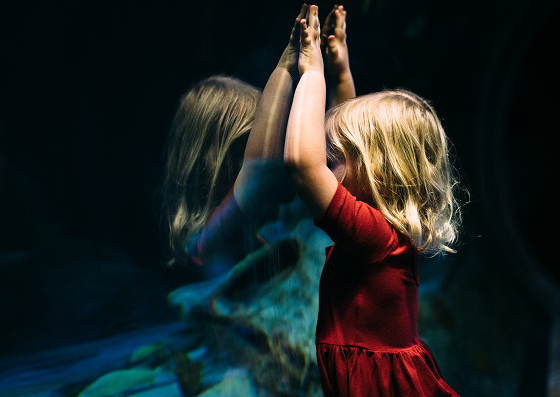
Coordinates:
531 152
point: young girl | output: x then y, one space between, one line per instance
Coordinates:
386 197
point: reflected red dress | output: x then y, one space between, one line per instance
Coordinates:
367 329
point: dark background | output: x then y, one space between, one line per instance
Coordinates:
87 93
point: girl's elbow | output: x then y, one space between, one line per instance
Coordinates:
289 160
296 172
292 166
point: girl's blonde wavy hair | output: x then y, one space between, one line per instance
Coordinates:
398 149
205 149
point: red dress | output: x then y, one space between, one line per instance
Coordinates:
367 329
227 237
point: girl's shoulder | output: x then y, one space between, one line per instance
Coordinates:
357 227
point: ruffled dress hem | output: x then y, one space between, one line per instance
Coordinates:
359 372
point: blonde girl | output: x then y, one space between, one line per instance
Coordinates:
383 196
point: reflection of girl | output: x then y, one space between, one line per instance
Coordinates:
387 197
210 149
204 152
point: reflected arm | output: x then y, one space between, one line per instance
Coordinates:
259 183
262 170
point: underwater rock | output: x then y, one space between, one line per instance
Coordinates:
262 315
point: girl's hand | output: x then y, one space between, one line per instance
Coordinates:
333 43
289 58
310 57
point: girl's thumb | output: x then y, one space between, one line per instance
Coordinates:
332 44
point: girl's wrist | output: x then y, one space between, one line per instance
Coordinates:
316 69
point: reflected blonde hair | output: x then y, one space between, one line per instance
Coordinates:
205 149
398 149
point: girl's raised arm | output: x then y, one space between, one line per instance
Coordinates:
305 151
260 177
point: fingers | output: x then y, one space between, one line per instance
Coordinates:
304 33
314 18
310 26
303 12
340 25
295 36
333 46
327 28
340 18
